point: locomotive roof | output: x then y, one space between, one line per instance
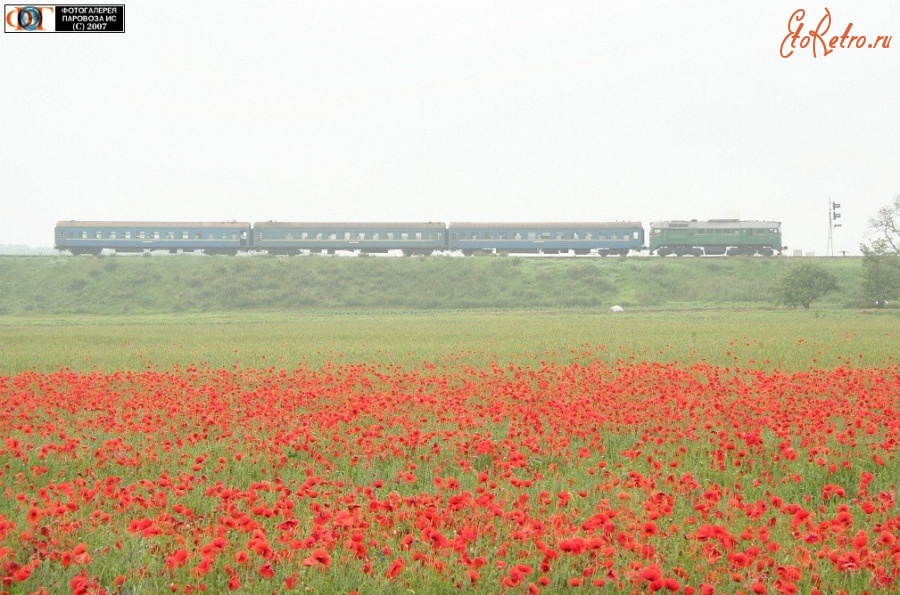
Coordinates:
357 225
715 224
160 224
545 225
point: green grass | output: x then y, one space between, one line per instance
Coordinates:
193 284
758 338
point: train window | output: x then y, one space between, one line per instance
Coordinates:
155 235
501 236
198 236
127 235
656 231
361 235
98 234
589 236
84 235
576 235
142 235
112 235
635 235
474 235
376 235
347 235
390 235
212 235
489 235
319 236
404 235
545 235
560 235
532 235
170 235
185 235
517 236
418 235
234 235
614 236
332 236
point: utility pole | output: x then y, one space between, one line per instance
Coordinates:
833 216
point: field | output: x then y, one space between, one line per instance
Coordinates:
684 450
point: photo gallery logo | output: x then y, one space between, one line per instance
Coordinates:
64 18
817 40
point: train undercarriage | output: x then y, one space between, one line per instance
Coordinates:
683 250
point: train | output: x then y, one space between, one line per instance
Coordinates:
727 237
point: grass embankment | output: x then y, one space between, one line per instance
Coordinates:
180 284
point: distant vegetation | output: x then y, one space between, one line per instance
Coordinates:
186 283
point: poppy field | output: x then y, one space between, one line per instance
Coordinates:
573 472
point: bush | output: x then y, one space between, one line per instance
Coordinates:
801 284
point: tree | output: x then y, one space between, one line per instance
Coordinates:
801 284
881 260
886 225
881 271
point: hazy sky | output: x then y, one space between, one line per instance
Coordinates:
453 111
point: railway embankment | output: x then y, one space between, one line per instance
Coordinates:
193 283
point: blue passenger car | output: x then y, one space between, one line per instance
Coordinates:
547 238
372 238
90 237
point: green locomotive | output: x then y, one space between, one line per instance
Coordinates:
716 237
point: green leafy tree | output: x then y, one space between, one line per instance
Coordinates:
886 225
881 260
802 284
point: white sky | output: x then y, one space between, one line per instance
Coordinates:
452 111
